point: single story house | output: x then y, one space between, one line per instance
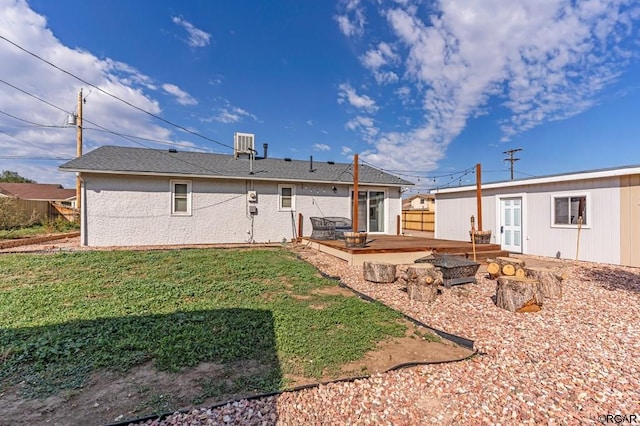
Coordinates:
592 215
138 196
50 192
37 201
420 202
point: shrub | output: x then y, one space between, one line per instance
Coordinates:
11 214
59 224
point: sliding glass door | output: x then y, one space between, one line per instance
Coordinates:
371 214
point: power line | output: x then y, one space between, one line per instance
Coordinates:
116 97
101 127
23 141
31 122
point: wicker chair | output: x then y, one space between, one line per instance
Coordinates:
323 229
342 225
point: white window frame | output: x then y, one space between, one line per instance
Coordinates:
569 195
173 184
281 197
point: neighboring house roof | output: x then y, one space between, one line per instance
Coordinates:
562 177
425 196
143 161
37 191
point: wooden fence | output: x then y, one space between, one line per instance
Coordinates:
41 210
419 220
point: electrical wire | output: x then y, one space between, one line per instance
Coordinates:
116 97
31 122
27 142
130 139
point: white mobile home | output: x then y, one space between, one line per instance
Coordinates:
134 196
541 216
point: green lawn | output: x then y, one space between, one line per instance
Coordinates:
67 315
38 230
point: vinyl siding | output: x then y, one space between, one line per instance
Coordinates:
599 238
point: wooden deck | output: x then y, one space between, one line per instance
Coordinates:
401 249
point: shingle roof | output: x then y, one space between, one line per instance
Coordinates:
37 191
142 161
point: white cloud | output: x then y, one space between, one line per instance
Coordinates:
231 114
546 60
310 122
375 59
321 147
197 37
345 150
348 94
182 97
28 29
364 125
351 21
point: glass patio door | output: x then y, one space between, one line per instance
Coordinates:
371 214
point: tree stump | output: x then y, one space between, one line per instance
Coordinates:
550 281
508 266
422 282
379 272
518 295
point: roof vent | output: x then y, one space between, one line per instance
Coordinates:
173 150
287 159
243 143
331 162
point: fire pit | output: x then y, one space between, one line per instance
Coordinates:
455 269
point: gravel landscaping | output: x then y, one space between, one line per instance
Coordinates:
573 362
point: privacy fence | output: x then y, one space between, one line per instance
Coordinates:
419 220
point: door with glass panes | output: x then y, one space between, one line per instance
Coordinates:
371 214
511 224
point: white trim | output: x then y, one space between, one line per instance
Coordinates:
172 185
524 219
596 174
570 194
373 188
293 198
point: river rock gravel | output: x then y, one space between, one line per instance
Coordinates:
576 361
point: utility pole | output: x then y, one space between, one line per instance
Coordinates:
79 153
511 158
355 193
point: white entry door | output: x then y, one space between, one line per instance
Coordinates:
511 224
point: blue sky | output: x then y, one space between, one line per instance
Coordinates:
425 89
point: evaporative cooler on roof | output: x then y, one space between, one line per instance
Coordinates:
243 144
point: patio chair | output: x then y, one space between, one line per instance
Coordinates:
323 229
342 225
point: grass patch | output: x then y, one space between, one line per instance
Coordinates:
49 227
67 315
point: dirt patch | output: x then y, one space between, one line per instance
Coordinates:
418 346
111 397
333 291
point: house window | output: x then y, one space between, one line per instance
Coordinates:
567 210
286 197
181 197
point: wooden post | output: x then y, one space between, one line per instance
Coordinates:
300 218
79 152
355 193
398 225
479 195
